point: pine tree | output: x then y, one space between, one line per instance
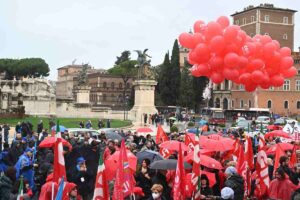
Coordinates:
175 74
164 80
186 98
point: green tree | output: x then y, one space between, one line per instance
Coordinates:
126 70
125 56
33 67
164 87
199 84
175 74
186 97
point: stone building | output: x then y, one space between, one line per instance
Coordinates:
108 90
285 100
65 80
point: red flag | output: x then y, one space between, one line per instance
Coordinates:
293 159
124 177
189 143
59 161
161 136
101 191
165 152
249 153
243 170
179 183
278 154
262 172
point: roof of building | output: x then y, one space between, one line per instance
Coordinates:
263 6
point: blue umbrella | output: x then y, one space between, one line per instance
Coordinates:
202 122
149 154
192 130
62 128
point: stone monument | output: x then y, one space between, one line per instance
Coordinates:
82 90
144 88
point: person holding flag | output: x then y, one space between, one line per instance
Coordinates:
24 167
101 191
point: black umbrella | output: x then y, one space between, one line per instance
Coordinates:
168 164
149 154
113 136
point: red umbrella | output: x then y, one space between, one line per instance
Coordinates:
277 133
224 144
111 163
274 127
283 146
144 130
205 161
173 145
49 142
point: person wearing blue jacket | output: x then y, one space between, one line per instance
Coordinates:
24 166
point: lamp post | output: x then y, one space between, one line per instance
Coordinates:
125 104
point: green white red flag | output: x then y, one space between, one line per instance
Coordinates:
101 191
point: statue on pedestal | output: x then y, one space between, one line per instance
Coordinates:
143 64
82 77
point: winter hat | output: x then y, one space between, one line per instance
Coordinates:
28 150
230 170
227 193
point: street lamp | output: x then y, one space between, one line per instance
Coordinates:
125 104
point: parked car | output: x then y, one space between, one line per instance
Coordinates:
240 119
263 120
77 132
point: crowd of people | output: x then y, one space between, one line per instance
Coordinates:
22 161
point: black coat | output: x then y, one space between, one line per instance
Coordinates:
144 183
6 187
236 183
81 179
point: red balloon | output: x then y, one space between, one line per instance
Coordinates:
244 78
217 44
198 25
250 87
231 60
186 40
257 76
255 64
289 73
285 51
286 62
213 29
265 39
269 49
277 44
202 52
195 72
216 78
249 49
198 38
216 63
277 80
192 57
203 69
243 61
230 74
231 32
223 21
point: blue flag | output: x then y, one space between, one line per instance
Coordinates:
60 191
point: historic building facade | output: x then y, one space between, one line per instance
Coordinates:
285 100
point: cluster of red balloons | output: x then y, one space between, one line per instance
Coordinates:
222 51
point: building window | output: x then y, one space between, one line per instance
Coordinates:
266 33
226 85
269 104
219 87
112 97
104 97
286 104
120 85
252 18
286 85
127 85
251 34
242 104
298 72
267 18
242 87
298 104
112 85
285 20
271 88
104 85
232 103
296 61
244 21
250 104
284 36
237 22
298 85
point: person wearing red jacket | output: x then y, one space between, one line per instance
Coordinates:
281 187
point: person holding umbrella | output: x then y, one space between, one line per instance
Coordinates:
143 178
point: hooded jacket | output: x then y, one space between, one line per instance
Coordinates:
6 186
236 183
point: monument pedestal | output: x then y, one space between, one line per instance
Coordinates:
82 94
143 101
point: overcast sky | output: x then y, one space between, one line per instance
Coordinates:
96 31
